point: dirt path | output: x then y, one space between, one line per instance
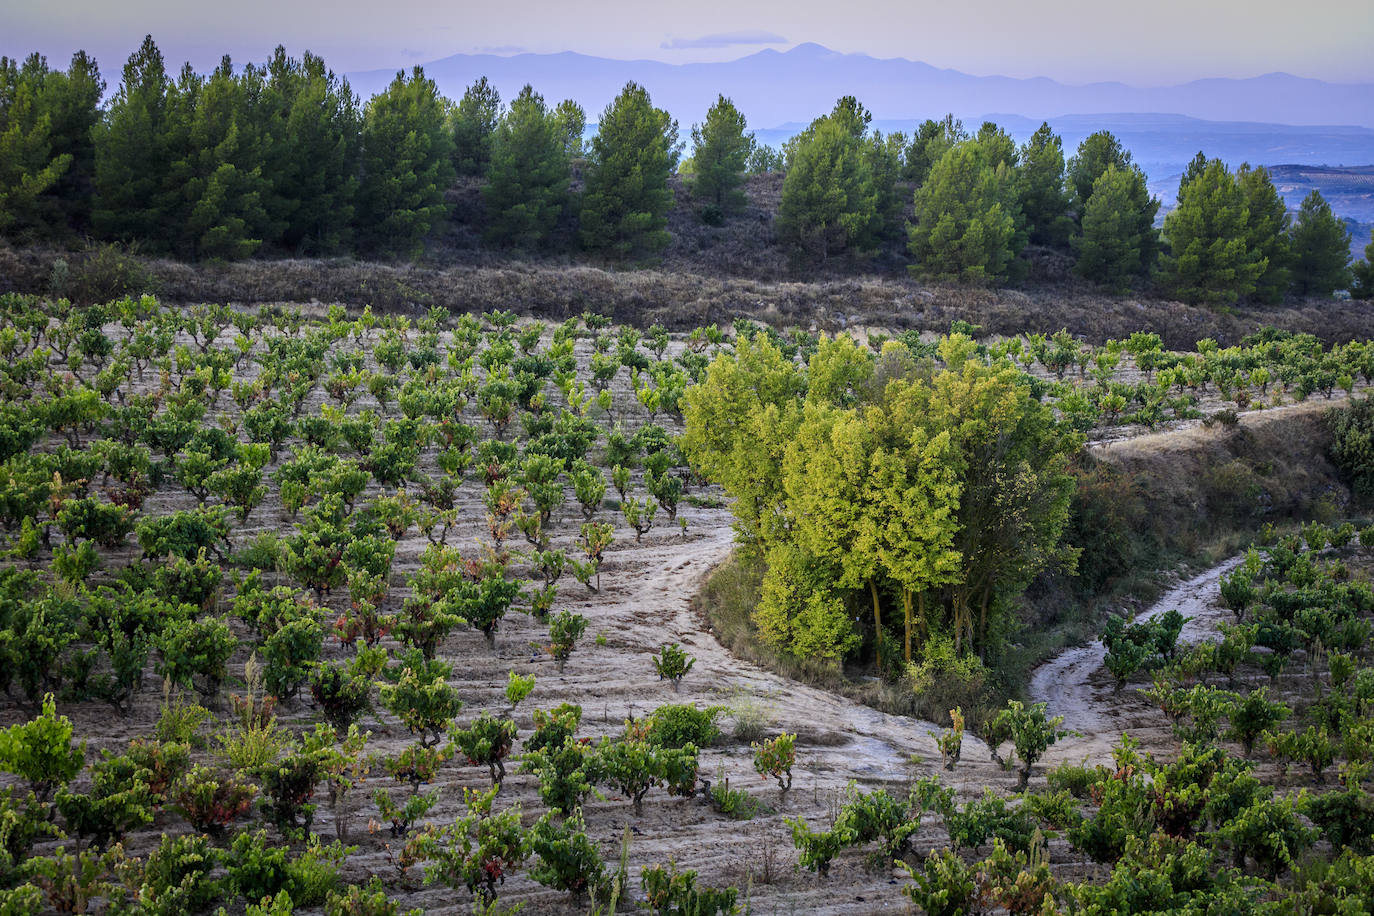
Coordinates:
1076 685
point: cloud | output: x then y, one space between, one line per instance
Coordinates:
724 40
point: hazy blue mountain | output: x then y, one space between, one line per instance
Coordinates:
773 87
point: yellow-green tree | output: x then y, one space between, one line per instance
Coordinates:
738 424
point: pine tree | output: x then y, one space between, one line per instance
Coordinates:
839 192
720 151
527 186
1267 232
966 218
29 166
131 152
1043 200
1363 273
473 123
407 165
570 121
1095 153
996 145
1209 261
308 126
71 103
930 142
1321 249
1115 244
625 205
828 204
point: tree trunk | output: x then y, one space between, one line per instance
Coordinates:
906 614
877 621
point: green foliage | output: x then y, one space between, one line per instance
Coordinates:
288 654
475 124
568 860
487 740
1352 444
675 725
776 757
625 204
1209 261
1031 732
259 870
342 695
41 752
831 194
1253 716
990 817
1116 240
554 726
196 653
177 876
670 892
815 849
407 164
720 152
566 773
478 849
631 765
1320 249
672 663
527 184
1044 202
1268 232
966 219
424 702
210 802
565 629
944 886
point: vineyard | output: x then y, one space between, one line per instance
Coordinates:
354 613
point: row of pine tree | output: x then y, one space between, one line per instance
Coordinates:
283 158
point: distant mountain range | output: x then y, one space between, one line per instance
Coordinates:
773 88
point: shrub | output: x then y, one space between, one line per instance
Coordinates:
341 695
1253 716
568 859
950 742
668 892
672 663
426 704
677 725
176 878
735 804
487 741
815 849
194 650
866 817
944 679
565 629
478 849
1031 733
565 772
776 758
983 818
210 802
288 654
554 726
944 886
41 752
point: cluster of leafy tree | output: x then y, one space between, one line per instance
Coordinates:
863 480
1231 238
284 157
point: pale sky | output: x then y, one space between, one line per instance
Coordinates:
1076 41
